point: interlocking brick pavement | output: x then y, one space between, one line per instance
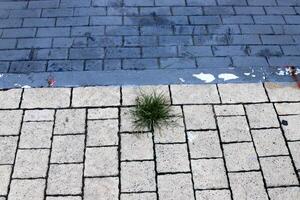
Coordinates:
230 143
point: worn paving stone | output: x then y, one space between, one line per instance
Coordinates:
70 121
230 132
8 148
10 98
96 96
291 193
213 194
278 171
39 115
291 130
203 119
244 159
101 161
262 116
27 189
67 149
5 171
64 179
63 198
36 135
171 134
282 92
139 196
295 151
127 123
243 93
287 108
10 122
137 146
46 98
229 110
209 174
31 163
96 187
103 113
102 132
204 144
269 142
172 158
175 186
247 185
137 176
193 94
129 94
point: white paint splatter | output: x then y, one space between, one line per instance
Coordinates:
207 78
191 137
227 76
253 75
1 75
247 74
182 80
26 86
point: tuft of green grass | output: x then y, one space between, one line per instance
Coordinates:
152 111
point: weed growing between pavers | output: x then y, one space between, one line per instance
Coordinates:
152 112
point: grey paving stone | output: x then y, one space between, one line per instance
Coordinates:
262 116
277 39
229 130
137 147
223 29
268 19
203 120
106 20
244 159
284 92
101 161
38 22
232 2
204 144
205 19
175 186
102 132
126 121
74 3
65 65
13 55
201 2
72 21
34 43
27 189
291 193
105 41
137 176
140 41
194 51
36 135
209 174
122 53
86 53
291 130
31 163
65 179
4 66
218 10
219 62
89 11
172 158
5 171
27 66
139 64
122 30
186 94
10 23
13 5
43 4
96 96
157 30
269 142
10 122
10 98
291 50
171 134
229 50
53 32
96 187
175 40
87 30
51 54
249 10
247 185
295 151
278 171
243 93
8 147
229 110
63 198
157 10
58 12
187 11
138 196
28 13
102 113
287 108
256 29
93 65
7 43
213 194
237 19
177 63
67 149
70 121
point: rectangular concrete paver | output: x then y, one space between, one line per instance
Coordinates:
82 145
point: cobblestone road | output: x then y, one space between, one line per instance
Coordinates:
83 35
232 142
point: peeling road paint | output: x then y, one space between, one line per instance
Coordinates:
227 77
207 78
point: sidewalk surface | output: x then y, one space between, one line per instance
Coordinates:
232 142
253 39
